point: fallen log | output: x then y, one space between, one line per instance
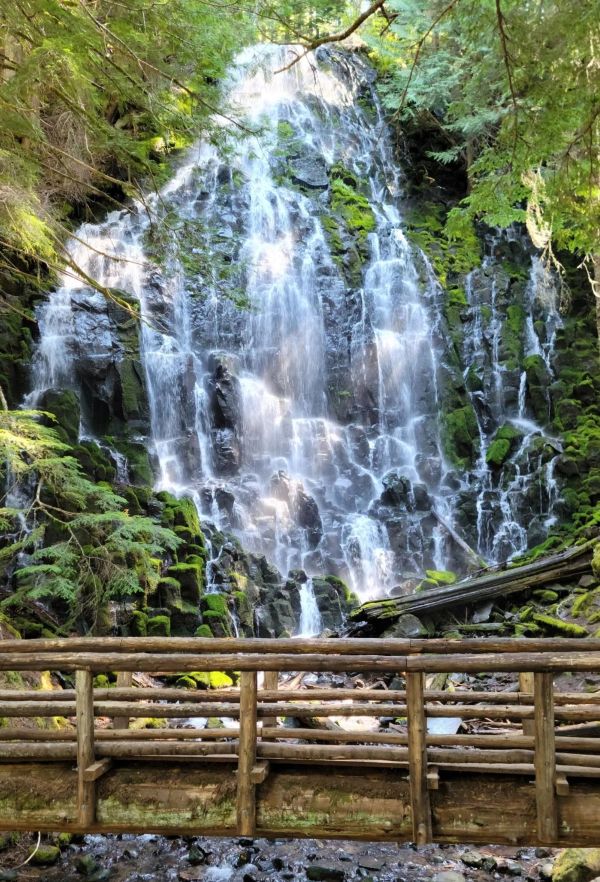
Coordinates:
567 564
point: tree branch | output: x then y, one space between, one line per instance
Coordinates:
311 45
506 57
419 45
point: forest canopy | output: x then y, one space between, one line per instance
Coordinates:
95 95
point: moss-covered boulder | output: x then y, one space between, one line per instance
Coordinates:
44 855
503 443
352 207
206 680
460 436
190 577
215 614
138 461
138 624
64 406
577 865
95 462
159 626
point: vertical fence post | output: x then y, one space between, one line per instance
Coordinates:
271 682
417 757
84 705
124 680
545 759
246 803
526 686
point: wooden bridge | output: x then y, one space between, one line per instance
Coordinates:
534 780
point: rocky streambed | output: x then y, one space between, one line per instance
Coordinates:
160 859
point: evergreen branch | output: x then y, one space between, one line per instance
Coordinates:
509 72
163 74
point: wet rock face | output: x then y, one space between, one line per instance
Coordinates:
224 411
308 517
107 364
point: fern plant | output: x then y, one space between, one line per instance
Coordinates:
67 538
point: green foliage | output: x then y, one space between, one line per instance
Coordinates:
508 91
97 95
79 544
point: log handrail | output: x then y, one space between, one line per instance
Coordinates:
253 740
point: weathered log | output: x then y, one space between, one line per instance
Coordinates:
497 583
471 554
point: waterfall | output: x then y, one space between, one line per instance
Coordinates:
310 617
293 368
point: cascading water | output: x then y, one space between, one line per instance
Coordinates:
310 617
292 363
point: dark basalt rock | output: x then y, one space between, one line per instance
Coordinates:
308 517
224 410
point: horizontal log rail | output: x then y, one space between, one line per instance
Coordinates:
100 723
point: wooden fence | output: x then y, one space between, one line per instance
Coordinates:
535 741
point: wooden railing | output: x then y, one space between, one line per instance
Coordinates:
537 748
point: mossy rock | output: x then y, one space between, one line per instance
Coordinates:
138 624
215 603
497 453
245 612
159 626
94 461
210 680
169 591
101 681
558 626
190 577
218 624
441 577
45 855
460 436
203 631
64 406
512 336
138 461
504 442
576 865
351 206
545 595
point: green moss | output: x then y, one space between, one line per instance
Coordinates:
64 406
45 855
190 576
212 680
218 623
159 626
244 610
497 453
285 130
354 208
139 623
441 577
215 603
203 631
94 461
545 595
460 436
558 626
101 681
576 865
